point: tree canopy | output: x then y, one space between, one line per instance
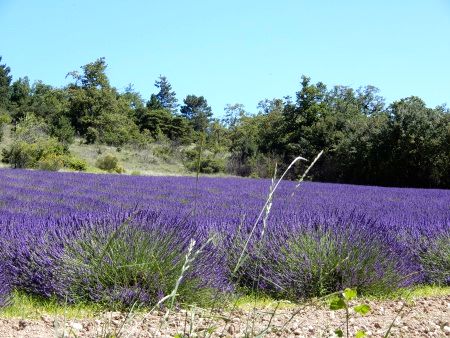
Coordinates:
365 140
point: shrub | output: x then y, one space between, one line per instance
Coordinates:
163 151
4 119
119 170
5 288
121 264
435 260
61 129
92 135
109 163
209 164
51 162
318 259
28 155
75 163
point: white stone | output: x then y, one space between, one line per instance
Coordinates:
76 326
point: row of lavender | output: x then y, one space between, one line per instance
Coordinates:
109 238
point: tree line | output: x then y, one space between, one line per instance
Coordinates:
365 140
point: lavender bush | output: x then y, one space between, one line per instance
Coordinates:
137 261
5 287
55 226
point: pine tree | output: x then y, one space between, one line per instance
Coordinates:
5 82
166 96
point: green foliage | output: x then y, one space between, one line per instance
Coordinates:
340 301
365 141
31 129
31 155
166 98
75 163
96 110
362 309
5 82
156 121
197 111
61 128
4 119
115 129
337 304
163 150
51 162
349 294
33 147
244 145
92 135
109 163
207 163
30 306
20 97
211 165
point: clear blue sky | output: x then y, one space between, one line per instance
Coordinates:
235 51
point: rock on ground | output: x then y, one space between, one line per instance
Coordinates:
425 317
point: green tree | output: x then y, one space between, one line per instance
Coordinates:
244 145
5 82
93 76
166 96
301 116
416 134
180 130
133 100
97 110
197 112
20 97
156 121
369 100
233 112
154 103
271 131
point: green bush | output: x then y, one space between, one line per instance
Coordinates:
52 162
92 135
28 155
209 164
110 163
4 119
75 163
163 151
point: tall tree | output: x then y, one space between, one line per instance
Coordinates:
233 112
93 76
197 111
166 96
416 132
20 97
96 109
5 82
300 117
154 103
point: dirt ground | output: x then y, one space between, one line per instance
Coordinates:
425 317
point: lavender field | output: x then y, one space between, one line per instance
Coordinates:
123 239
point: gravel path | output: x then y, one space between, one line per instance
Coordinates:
425 317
